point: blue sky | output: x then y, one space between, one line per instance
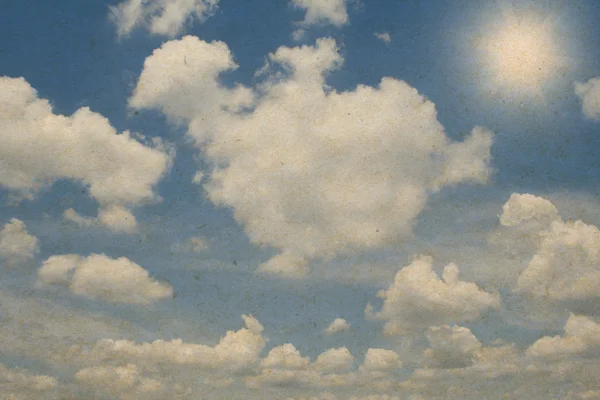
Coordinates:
304 199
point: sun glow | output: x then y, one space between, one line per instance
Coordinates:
520 54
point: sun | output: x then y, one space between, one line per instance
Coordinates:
520 53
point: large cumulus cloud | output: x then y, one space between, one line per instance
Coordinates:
306 169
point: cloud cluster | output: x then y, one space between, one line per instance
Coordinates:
160 17
16 244
284 366
100 277
308 170
564 256
237 350
332 12
40 147
418 298
589 94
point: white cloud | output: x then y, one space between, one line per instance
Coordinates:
40 147
310 171
450 347
525 208
100 277
235 351
116 218
418 298
160 17
16 244
381 360
285 265
337 325
332 12
19 385
566 265
285 356
334 360
581 335
589 93
383 36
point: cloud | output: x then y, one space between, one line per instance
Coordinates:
525 208
125 382
39 148
284 366
332 12
337 325
383 36
450 347
308 170
566 265
160 17
334 360
16 244
418 298
237 350
589 93
381 360
285 265
116 218
581 335
285 356
100 277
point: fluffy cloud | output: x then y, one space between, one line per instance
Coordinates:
334 360
418 298
332 12
285 265
160 17
308 170
285 356
237 350
285 366
581 335
16 244
450 347
100 277
566 265
458 366
381 360
337 325
116 218
524 208
589 93
40 147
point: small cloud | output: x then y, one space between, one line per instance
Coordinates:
285 265
589 93
16 244
116 218
198 177
100 277
383 36
338 325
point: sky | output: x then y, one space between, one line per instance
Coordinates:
299 200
